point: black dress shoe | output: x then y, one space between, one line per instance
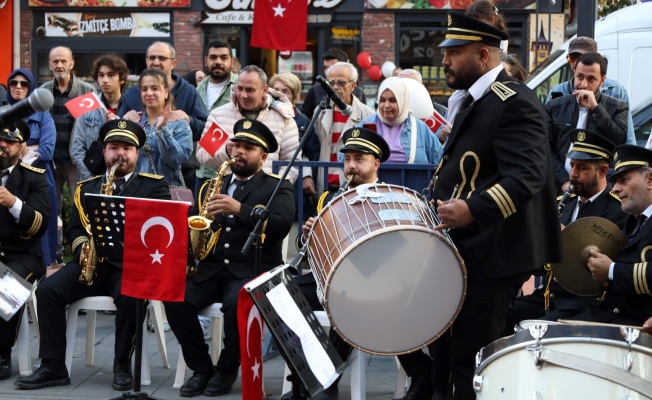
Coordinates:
195 385
441 394
220 383
5 366
122 377
50 373
421 387
330 393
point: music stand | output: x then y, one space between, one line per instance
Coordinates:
277 281
107 220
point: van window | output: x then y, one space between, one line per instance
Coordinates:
563 74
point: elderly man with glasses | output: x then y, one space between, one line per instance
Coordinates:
332 122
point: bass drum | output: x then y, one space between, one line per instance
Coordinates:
389 282
545 361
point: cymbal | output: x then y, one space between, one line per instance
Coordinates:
589 233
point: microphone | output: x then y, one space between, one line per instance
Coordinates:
345 108
39 100
565 198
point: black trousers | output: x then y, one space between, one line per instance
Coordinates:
182 317
9 329
480 322
63 288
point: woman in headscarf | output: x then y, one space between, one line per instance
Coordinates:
410 140
38 151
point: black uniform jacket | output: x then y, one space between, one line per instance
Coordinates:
20 241
498 154
141 185
236 230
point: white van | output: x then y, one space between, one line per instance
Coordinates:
625 38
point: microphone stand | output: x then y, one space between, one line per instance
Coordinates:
261 215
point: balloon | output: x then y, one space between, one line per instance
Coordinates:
364 60
420 101
375 73
388 69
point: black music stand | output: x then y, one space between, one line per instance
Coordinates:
289 343
107 220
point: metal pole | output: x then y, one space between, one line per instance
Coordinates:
587 14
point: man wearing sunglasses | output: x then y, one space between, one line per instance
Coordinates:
610 87
343 77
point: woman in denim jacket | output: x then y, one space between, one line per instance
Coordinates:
169 143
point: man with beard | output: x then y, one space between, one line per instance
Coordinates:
585 108
24 213
215 91
225 270
494 188
121 139
629 277
590 157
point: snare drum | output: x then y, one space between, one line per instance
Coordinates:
545 361
389 282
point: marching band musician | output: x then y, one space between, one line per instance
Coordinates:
225 270
628 299
590 156
24 213
495 188
121 140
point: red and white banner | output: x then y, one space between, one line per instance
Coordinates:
155 249
250 328
280 24
435 122
214 139
80 105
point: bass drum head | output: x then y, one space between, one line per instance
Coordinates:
396 293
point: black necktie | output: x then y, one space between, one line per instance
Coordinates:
238 188
582 206
119 182
467 101
2 175
640 220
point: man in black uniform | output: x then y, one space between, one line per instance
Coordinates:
225 270
590 157
24 213
121 139
494 189
628 299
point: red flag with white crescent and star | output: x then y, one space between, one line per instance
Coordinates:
250 328
214 139
80 105
280 24
435 122
155 249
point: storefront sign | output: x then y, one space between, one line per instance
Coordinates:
111 3
344 34
241 11
445 4
107 24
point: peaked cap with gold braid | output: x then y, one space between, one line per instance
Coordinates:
628 157
123 131
463 29
366 141
255 132
588 145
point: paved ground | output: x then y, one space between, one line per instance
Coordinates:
94 382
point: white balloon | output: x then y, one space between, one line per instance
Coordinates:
420 101
388 69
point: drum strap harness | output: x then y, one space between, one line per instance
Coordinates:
546 294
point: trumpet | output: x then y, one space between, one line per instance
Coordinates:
202 237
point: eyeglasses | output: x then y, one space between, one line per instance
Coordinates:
572 58
339 83
159 58
15 83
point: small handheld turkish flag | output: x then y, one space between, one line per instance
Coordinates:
214 139
156 245
250 327
82 104
435 122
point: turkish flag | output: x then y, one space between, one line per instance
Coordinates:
250 328
280 24
156 245
435 122
80 105
214 139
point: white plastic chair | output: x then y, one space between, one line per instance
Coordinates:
358 369
105 303
22 341
214 311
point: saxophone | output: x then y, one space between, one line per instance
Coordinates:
202 237
88 259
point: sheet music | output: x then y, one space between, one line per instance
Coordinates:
12 296
320 363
